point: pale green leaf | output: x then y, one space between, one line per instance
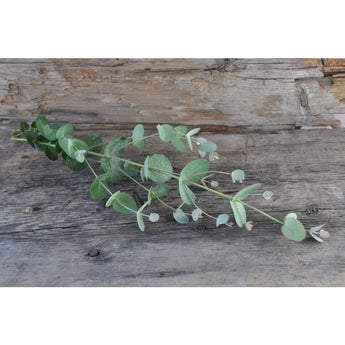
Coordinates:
209 146
178 144
222 219
180 216
243 193
239 213
186 194
158 190
159 168
166 132
64 131
124 203
116 147
293 229
137 135
99 187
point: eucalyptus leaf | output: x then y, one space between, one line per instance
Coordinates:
239 213
137 135
243 193
50 152
140 221
186 194
317 228
64 131
293 229
146 168
24 126
193 131
159 190
110 166
94 142
291 215
195 170
99 187
209 146
166 132
222 219
112 198
159 162
73 165
237 175
48 132
178 144
40 122
180 216
130 169
124 203
57 125
116 147
74 145
180 131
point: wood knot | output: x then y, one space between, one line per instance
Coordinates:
311 211
93 252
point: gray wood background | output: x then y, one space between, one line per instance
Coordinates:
277 119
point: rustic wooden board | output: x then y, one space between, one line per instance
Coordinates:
253 109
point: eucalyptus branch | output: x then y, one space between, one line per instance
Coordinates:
56 138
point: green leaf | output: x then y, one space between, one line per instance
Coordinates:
63 143
109 166
222 219
159 190
124 203
94 142
74 145
293 229
180 131
159 162
50 152
111 200
239 213
24 126
166 132
291 215
209 146
73 165
48 132
56 125
243 193
40 122
116 147
180 216
140 221
137 135
186 194
177 142
145 169
195 170
237 175
99 187
64 131
130 169
192 132
189 141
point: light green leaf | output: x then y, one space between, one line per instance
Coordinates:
293 229
74 145
243 193
222 219
181 131
110 166
180 216
137 135
189 141
99 187
186 194
56 125
202 154
239 213
64 131
112 198
291 215
193 131
140 221
124 203
177 142
195 170
48 132
158 191
64 144
159 162
130 169
116 147
209 146
237 175
166 132
317 228
145 169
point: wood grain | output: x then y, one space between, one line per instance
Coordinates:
53 234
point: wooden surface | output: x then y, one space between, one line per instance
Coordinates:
257 111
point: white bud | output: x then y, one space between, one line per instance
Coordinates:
324 234
267 194
153 217
214 184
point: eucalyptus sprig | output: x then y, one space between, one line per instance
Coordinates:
56 138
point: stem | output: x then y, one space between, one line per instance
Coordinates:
262 212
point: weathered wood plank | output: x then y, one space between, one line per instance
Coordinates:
69 240
217 94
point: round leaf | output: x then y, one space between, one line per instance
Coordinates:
137 135
159 162
293 229
64 131
124 203
99 187
186 194
159 190
180 216
195 170
222 219
209 146
237 175
94 142
116 147
166 132
109 165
